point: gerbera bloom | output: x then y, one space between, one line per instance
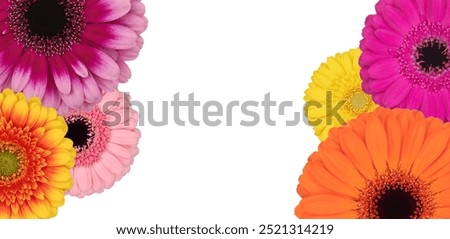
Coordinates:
384 164
68 52
35 158
105 139
336 85
405 58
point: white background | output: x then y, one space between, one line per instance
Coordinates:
233 176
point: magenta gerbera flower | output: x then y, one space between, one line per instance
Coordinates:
68 52
405 59
105 139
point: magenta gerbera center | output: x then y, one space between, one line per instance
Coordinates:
47 27
432 56
424 56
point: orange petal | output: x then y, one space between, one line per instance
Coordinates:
343 215
412 143
432 148
308 186
354 148
323 206
442 199
394 140
342 167
441 183
5 211
442 212
377 145
330 181
439 167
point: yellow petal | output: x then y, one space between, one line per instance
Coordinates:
41 208
8 104
52 138
19 113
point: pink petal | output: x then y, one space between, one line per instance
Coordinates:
60 74
389 37
445 94
446 18
113 164
98 62
435 10
137 8
51 96
384 68
75 190
98 185
415 98
438 100
110 97
377 85
368 58
22 73
107 85
134 22
112 36
133 53
433 105
118 150
104 173
127 118
396 93
77 66
410 10
125 72
9 56
38 80
105 10
75 98
84 178
396 20
377 46
5 77
125 137
91 91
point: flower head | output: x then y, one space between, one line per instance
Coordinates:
336 85
384 164
105 139
35 158
405 59
68 52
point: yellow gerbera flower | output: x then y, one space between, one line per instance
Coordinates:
335 96
35 158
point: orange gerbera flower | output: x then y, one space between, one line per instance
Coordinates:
384 164
35 158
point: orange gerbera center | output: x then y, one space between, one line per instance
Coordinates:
12 162
17 150
396 195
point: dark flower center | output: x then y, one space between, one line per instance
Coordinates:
396 204
46 18
432 56
48 27
80 132
396 194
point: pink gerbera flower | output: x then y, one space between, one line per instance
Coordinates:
105 139
68 52
405 59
